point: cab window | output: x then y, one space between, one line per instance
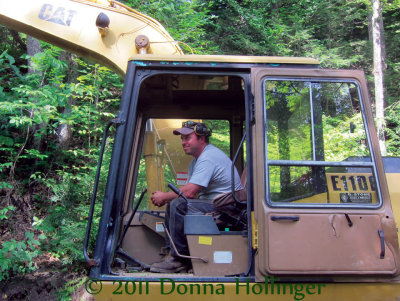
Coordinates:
317 149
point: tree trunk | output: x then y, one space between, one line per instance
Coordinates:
64 131
379 46
33 47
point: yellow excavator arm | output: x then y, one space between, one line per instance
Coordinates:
108 32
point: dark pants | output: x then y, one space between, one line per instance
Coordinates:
175 221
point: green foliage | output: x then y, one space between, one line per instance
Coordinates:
67 216
64 294
392 29
340 143
33 107
17 256
186 21
393 129
329 129
246 27
220 134
4 211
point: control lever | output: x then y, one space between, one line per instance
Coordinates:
204 259
180 194
177 191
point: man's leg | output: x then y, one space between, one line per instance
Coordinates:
174 220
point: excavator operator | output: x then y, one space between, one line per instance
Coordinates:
209 177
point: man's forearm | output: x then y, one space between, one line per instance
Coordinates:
161 198
169 196
189 191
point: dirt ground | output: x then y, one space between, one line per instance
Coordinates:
44 284
50 276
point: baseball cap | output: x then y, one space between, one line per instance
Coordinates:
186 129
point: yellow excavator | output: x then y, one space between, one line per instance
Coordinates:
319 220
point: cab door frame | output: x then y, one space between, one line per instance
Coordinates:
291 238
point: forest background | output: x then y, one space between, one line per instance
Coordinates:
54 107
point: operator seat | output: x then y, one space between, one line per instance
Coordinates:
229 213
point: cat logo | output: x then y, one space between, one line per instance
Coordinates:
58 15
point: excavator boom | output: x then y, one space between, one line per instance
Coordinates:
104 31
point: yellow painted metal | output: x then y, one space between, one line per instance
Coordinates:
176 158
154 167
161 148
71 25
320 198
254 231
104 2
176 291
393 180
227 59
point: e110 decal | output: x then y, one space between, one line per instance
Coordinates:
353 183
351 188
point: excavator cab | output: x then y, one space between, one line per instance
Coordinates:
318 207
317 199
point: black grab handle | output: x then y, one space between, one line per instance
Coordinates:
275 218
382 238
91 261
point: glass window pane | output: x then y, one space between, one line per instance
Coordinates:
288 120
322 185
316 121
290 183
341 122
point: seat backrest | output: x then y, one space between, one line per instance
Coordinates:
243 177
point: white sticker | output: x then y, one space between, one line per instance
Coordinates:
222 257
182 178
159 227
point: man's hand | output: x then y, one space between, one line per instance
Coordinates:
158 198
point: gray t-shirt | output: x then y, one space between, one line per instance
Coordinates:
212 171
